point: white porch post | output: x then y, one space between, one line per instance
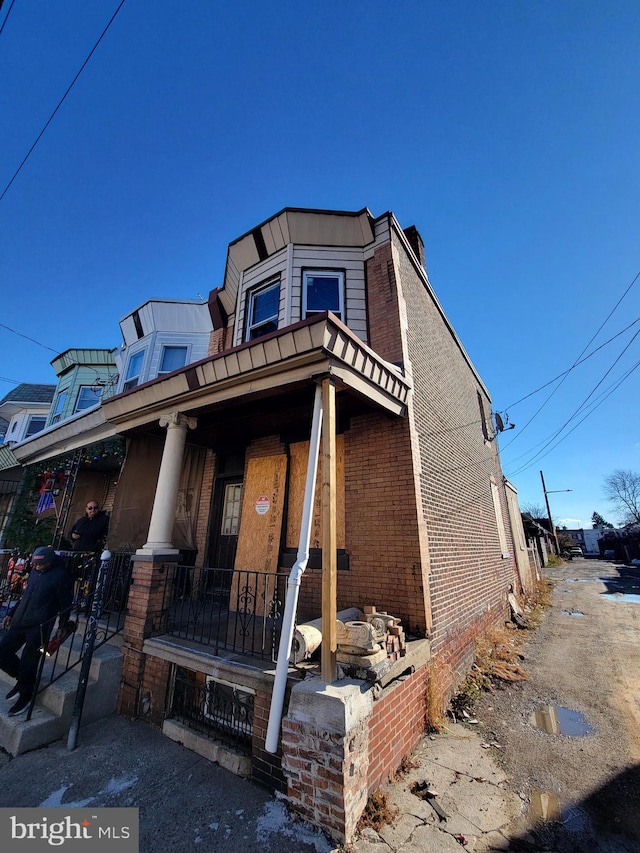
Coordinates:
166 498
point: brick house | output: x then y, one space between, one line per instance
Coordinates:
412 517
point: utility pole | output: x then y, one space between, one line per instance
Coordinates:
552 526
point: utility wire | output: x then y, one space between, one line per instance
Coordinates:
576 362
61 101
580 407
6 17
569 369
27 338
603 397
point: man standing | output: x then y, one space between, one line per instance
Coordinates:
90 531
47 595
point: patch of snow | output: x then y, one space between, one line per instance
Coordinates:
275 819
117 786
55 799
214 826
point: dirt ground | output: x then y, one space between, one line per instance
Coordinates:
585 657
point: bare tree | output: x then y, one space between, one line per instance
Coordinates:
535 510
622 490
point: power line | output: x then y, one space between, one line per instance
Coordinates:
27 338
576 362
61 101
569 369
580 407
603 397
6 17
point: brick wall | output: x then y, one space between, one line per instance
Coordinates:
397 724
206 497
146 616
327 775
469 578
266 767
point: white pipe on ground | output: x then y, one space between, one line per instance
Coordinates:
293 585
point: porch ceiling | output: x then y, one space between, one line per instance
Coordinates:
281 363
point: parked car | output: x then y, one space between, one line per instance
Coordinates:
609 554
576 551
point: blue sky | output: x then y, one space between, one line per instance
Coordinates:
507 132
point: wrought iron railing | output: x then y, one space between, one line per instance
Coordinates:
227 610
220 711
59 659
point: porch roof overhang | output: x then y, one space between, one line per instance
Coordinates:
69 435
299 354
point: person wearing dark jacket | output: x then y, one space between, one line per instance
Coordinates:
48 594
90 531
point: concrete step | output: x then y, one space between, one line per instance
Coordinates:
52 712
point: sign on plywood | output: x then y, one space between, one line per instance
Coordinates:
262 505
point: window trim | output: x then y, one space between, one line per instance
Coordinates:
324 272
163 350
251 295
61 402
126 386
497 508
98 393
30 420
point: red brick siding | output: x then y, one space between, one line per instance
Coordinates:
397 724
266 767
469 576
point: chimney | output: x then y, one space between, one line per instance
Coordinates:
415 240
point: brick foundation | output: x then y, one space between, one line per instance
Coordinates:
144 677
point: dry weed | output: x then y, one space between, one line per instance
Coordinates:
377 812
439 680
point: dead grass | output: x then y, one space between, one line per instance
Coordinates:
406 766
377 812
439 678
537 602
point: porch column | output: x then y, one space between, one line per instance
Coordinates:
166 498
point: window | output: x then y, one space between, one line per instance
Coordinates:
57 412
231 509
322 290
173 358
262 313
36 423
134 369
88 396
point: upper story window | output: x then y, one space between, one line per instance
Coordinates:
262 313
322 290
88 395
36 423
60 402
134 369
173 358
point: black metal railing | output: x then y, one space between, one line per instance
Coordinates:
220 711
59 659
226 609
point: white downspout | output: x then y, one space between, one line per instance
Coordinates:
293 585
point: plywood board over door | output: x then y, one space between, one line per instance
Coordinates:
260 526
297 482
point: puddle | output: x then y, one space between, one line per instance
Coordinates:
545 808
627 597
556 720
573 612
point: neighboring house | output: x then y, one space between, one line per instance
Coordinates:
24 411
411 513
161 336
577 536
84 376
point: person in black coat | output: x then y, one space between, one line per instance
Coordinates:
48 594
90 531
